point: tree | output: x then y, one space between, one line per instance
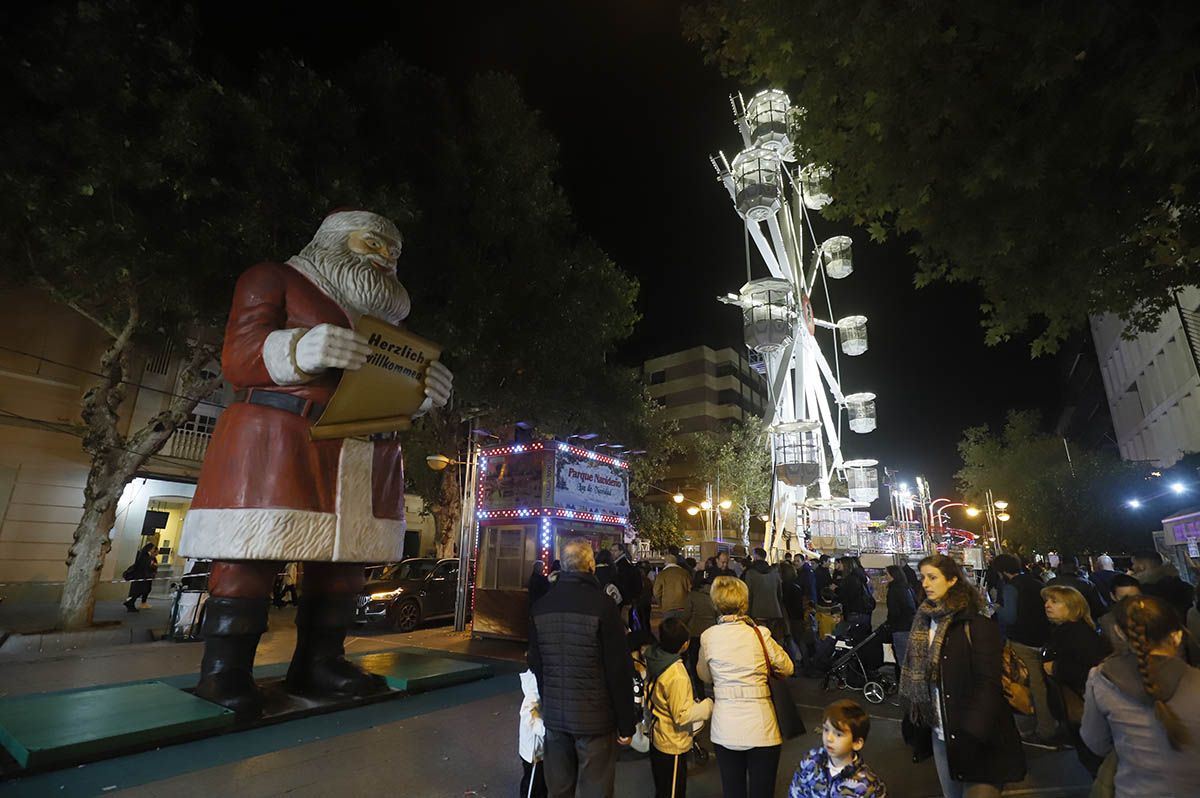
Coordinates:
740 460
135 185
657 524
1056 504
527 307
1046 157
133 189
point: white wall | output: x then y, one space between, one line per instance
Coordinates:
1152 385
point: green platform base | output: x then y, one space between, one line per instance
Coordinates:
57 729
54 730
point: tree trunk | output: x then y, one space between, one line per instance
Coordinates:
116 459
447 513
83 569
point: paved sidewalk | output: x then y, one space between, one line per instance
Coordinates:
458 741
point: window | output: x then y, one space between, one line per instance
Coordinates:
446 571
658 377
200 423
728 397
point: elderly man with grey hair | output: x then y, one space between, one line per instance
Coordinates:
578 653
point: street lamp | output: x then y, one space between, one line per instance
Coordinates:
1002 517
693 510
973 512
438 462
1000 505
678 497
726 504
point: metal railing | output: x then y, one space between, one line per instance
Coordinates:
189 444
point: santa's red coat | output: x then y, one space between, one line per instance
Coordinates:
266 490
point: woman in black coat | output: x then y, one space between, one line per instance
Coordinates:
901 607
951 688
141 572
1074 648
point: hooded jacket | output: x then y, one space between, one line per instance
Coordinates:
856 780
1119 715
672 703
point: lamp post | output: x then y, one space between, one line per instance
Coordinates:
466 521
997 514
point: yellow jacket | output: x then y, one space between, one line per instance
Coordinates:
675 711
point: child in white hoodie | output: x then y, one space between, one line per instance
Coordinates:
532 739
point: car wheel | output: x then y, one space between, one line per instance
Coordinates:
406 615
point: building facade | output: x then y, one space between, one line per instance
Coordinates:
46 365
705 390
1152 382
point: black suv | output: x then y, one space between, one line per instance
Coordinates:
407 593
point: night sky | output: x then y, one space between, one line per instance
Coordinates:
637 112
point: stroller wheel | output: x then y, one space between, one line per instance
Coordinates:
874 692
889 684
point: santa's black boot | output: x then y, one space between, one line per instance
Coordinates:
319 666
231 628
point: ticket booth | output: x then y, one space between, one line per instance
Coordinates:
532 498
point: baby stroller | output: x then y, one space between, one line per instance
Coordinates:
858 660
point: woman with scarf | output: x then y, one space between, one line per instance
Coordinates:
951 686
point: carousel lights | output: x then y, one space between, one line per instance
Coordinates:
562 447
546 512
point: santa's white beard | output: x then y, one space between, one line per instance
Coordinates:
351 280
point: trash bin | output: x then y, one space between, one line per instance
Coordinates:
187 608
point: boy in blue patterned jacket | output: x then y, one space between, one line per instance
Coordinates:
835 770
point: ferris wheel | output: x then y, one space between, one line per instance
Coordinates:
774 189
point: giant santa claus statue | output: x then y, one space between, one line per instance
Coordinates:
268 494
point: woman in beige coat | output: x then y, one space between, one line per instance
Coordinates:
744 730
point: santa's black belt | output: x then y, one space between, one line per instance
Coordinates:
305 408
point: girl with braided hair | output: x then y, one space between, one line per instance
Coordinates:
1144 704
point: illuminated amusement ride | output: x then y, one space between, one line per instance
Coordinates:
775 186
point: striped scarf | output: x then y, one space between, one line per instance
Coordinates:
921 673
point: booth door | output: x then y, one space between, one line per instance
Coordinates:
506 557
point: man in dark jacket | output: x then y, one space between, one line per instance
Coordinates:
1022 616
629 580
1069 576
578 653
766 595
1160 579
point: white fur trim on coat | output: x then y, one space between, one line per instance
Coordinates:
279 356
361 537
351 534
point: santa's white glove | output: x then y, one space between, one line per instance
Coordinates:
439 383
328 346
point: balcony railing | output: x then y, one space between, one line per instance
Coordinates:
189 444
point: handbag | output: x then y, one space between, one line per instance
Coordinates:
786 714
1014 679
1066 705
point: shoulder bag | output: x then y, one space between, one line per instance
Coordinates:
786 714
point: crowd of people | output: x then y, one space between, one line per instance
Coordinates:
1101 663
